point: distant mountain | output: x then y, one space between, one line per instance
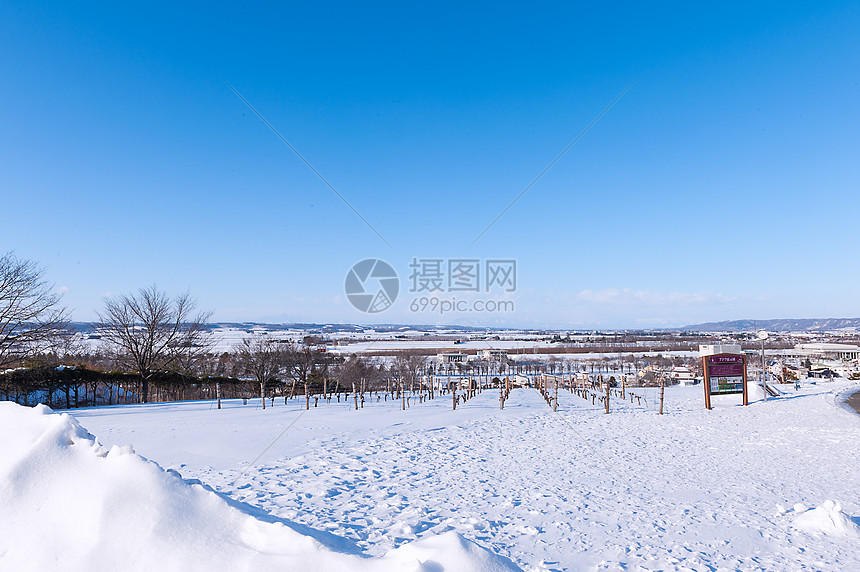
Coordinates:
90 327
783 325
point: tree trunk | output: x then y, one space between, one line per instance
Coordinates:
263 394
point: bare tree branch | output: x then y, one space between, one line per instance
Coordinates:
30 311
149 332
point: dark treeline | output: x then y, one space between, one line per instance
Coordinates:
63 380
78 386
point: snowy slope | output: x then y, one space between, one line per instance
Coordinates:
70 504
727 489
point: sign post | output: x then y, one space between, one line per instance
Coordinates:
725 374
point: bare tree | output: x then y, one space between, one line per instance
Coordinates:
352 371
261 358
150 332
302 362
409 366
30 311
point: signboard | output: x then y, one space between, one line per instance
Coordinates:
725 374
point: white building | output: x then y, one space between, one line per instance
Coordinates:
713 349
836 352
494 354
683 375
451 358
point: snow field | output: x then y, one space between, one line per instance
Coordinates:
573 490
69 503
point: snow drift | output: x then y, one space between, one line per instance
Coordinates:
826 520
66 502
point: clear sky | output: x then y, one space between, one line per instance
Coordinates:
722 185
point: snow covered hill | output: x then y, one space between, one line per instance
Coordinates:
735 488
69 503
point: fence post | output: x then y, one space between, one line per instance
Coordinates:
662 390
606 399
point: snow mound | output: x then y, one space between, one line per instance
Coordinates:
66 502
826 520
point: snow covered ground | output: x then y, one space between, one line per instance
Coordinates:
735 488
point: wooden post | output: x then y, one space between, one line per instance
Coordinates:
662 391
453 394
354 396
606 399
501 395
555 399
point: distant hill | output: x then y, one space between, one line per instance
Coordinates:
782 325
90 327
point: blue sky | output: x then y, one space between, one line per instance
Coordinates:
722 185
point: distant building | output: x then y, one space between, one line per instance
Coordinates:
713 349
494 354
835 352
518 380
451 358
683 375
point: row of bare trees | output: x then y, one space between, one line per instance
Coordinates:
270 361
157 339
